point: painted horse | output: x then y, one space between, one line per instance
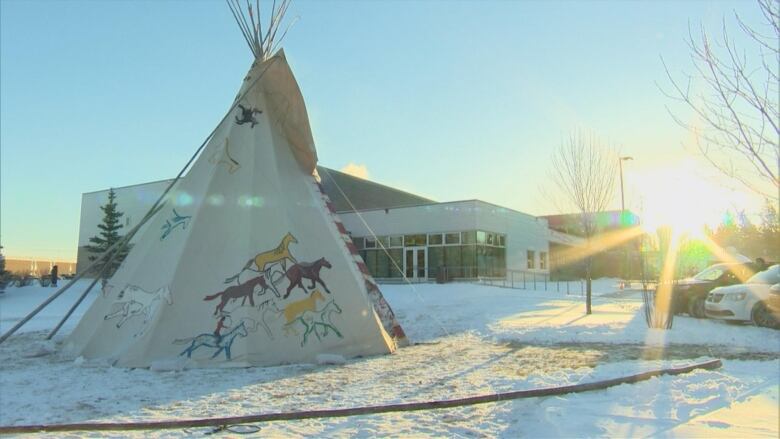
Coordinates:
171 224
295 309
134 300
314 319
278 255
221 343
306 270
242 291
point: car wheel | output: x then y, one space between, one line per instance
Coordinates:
761 316
696 307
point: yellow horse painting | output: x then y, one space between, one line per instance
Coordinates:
277 255
295 309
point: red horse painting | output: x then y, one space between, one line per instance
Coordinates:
306 270
243 291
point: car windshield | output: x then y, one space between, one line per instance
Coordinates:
711 273
770 276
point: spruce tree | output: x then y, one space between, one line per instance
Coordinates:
2 264
108 236
769 233
2 271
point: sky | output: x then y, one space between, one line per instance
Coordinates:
450 100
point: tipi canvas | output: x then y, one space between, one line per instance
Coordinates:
245 263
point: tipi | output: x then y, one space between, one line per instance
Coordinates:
245 262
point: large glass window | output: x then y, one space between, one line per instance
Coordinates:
452 260
543 260
415 240
382 264
396 262
468 237
359 242
481 237
501 262
434 239
370 243
469 260
452 238
483 260
396 241
501 240
435 260
370 260
531 257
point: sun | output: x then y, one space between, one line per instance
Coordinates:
681 196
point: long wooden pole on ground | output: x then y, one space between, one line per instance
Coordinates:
370 410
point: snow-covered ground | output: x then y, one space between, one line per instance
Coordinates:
471 340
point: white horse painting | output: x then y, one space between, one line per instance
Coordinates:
133 301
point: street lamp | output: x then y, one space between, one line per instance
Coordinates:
627 268
622 197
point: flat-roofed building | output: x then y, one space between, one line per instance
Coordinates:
398 234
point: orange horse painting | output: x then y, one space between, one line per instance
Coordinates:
280 254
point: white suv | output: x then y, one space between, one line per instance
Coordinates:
745 302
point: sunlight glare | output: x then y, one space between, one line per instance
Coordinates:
679 195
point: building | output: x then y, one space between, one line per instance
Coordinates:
398 234
619 259
38 267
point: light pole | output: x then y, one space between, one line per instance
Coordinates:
622 197
627 268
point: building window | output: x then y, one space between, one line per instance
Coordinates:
434 239
501 240
452 238
481 237
435 260
396 241
531 256
383 241
415 240
543 260
468 237
370 243
359 242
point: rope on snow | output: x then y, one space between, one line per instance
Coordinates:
227 422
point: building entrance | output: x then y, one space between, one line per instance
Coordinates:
415 263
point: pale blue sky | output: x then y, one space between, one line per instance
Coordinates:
452 100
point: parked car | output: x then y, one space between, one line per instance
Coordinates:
773 301
689 295
746 302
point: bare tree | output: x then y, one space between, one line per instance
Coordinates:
584 172
736 103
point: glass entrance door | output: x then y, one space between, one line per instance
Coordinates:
415 263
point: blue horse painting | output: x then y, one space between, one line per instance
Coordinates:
220 343
176 221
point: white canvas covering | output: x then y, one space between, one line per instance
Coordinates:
245 263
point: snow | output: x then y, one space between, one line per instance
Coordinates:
470 340
16 302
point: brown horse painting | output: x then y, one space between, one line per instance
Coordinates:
306 270
243 291
279 254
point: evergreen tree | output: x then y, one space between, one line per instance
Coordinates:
108 236
769 233
2 262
